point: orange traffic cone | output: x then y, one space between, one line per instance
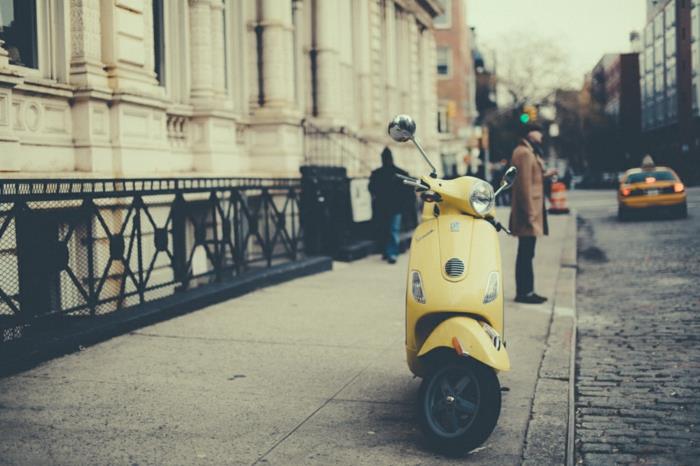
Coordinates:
557 200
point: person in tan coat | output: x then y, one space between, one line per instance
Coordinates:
528 216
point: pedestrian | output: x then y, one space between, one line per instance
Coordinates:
528 216
390 198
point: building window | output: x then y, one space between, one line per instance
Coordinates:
18 29
159 41
659 80
443 120
671 43
444 61
649 34
659 25
670 14
444 21
671 74
659 52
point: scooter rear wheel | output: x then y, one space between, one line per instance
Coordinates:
459 405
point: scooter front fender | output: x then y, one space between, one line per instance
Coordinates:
469 336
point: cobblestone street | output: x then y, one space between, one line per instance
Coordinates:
638 356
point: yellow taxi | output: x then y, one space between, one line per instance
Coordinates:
651 187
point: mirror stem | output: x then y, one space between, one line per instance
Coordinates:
433 174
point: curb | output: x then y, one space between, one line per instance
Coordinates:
42 347
550 437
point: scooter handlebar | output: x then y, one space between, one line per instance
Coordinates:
418 184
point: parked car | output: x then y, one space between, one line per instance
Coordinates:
657 188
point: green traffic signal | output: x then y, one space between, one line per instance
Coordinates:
524 118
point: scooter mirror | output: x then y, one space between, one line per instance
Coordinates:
508 178
402 128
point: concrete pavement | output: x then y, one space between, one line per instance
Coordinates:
308 372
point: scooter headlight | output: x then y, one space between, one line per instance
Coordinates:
491 288
417 287
482 198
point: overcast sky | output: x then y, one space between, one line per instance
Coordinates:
586 28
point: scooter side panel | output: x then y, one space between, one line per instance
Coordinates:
428 255
472 338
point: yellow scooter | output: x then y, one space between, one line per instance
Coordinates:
454 305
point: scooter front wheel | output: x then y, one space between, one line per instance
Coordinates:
459 405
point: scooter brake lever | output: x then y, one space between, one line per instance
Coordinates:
497 225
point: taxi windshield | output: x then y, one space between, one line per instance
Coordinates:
657 176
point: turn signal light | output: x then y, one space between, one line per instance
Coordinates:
625 191
678 188
417 287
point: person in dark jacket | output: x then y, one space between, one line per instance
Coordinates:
390 198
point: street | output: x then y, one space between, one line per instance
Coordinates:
638 355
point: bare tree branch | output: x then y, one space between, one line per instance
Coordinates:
531 67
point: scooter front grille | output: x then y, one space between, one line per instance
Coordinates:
454 267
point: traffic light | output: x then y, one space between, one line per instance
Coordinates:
528 114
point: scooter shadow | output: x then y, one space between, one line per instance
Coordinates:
395 425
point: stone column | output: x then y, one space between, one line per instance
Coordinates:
274 129
413 89
363 64
278 53
390 58
202 89
86 67
126 33
218 51
327 59
300 60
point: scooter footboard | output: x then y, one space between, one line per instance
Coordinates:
468 337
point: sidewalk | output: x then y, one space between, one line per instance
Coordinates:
308 372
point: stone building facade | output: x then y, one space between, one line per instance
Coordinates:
211 87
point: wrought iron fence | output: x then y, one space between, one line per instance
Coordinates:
334 147
75 249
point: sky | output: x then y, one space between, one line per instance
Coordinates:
588 29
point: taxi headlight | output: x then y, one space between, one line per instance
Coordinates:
481 198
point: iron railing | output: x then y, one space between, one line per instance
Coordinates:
73 249
334 147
